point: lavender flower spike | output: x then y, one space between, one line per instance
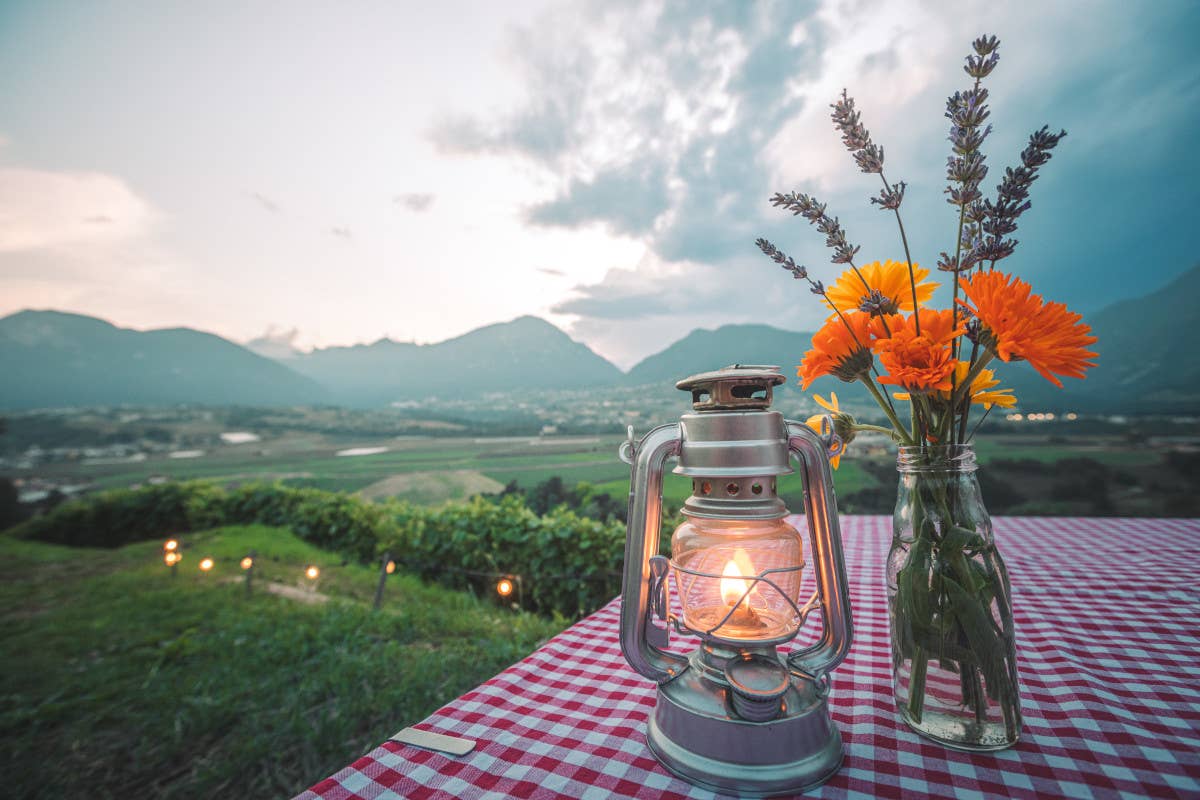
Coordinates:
803 205
1000 217
890 198
855 136
779 257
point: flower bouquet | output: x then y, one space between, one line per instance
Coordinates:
949 604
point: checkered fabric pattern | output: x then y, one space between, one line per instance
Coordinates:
1108 637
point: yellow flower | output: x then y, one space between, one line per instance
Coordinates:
981 388
889 278
814 421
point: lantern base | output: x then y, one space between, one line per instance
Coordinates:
696 734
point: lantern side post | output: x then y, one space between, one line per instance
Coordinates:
641 544
820 508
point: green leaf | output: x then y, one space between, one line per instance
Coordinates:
989 648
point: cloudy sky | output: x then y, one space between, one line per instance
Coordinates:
339 172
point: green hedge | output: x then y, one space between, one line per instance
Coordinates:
565 562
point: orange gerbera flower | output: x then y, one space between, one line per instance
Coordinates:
842 347
982 388
889 278
1020 326
919 362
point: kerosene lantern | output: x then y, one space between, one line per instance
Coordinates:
736 714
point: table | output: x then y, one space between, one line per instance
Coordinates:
1107 614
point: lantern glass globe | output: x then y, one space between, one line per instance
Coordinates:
739 581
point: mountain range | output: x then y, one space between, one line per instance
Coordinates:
53 359
527 353
56 359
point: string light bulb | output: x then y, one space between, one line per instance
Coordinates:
170 545
172 558
247 562
206 564
504 587
312 573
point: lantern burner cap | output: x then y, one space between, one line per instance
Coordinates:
738 387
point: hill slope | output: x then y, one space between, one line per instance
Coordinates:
55 359
527 353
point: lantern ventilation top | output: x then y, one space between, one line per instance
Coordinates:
740 387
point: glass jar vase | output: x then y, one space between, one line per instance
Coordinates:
954 660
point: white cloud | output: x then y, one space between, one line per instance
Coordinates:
85 242
70 212
885 55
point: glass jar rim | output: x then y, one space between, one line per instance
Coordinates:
946 458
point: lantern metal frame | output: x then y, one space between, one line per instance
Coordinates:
708 726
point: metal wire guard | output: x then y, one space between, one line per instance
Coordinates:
752 581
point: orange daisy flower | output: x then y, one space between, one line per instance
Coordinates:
1019 326
919 363
889 278
983 389
839 348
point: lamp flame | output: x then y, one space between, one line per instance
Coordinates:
247 562
504 587
311 573
734 586
170 545
206 564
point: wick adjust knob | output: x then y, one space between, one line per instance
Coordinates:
757 685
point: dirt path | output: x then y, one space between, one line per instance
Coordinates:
290 592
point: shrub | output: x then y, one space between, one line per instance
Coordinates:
566 563
121 516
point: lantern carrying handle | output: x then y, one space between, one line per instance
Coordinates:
820 507
641 544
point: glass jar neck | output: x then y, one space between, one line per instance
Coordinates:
956 459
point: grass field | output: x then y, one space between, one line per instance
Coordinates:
121 681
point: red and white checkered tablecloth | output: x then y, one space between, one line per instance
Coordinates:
1108 639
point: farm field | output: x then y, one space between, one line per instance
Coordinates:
431 470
